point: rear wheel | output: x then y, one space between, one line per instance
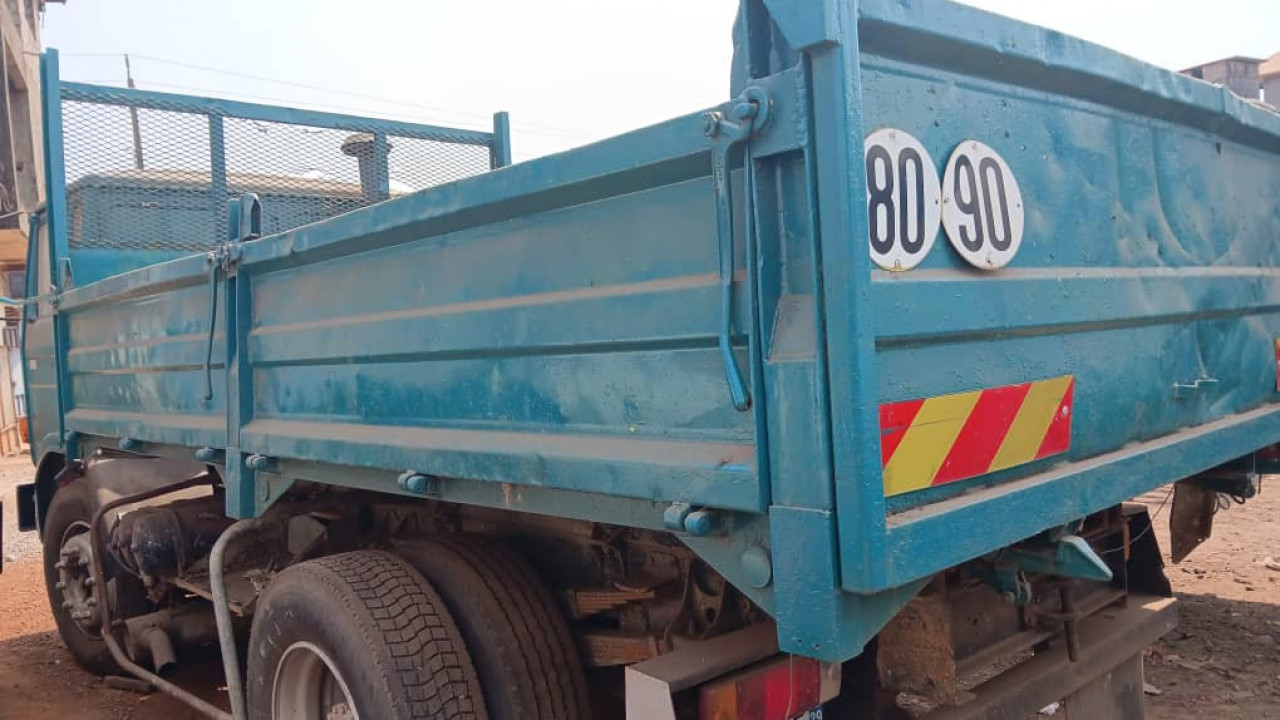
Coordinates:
358 635
73 595
528 664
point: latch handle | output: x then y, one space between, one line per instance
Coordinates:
1181 391
244 223
751 112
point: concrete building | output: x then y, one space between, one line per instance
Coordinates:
1269 75
21 191
1240 74
21 163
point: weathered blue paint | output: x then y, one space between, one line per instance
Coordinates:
57 252
547 337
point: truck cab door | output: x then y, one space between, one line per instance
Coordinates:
38 351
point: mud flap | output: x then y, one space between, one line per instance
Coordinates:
1140 569
1191 519
27 507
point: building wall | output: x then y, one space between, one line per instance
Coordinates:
21 120
21 187
1238 74
1271 90
21 164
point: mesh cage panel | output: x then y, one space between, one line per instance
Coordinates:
300 172
417 164
168 190
112 203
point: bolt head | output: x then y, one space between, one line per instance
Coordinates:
257 462
757 566
711 123
700 522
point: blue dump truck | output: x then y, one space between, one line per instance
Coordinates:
835 391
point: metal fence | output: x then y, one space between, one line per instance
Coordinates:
154 171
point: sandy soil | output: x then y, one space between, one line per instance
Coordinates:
38 679
1223 663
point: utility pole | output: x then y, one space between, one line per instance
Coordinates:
133 119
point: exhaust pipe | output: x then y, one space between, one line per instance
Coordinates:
152 637
160 647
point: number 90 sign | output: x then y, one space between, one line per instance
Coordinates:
982 206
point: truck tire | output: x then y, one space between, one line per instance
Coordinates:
528 664
72 595
361 629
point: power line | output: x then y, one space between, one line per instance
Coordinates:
526 127
307 105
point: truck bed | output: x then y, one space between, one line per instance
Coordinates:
545 337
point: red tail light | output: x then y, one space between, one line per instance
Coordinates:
1277 365
778 689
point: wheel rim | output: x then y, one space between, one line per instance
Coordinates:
75 579
308 685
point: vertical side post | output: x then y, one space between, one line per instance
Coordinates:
55 161
219 193
241 481
500 146
840 181
827 32
381 167
56 217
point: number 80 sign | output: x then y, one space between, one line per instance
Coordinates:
904 200
978 202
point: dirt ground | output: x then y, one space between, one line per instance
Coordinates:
1223 660
1222 663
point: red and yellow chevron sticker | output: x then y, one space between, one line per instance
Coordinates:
944 439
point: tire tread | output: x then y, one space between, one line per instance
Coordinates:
542 660
409 635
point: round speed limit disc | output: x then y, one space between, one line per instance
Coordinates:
904 200
982 209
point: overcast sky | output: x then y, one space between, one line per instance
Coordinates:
569 71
